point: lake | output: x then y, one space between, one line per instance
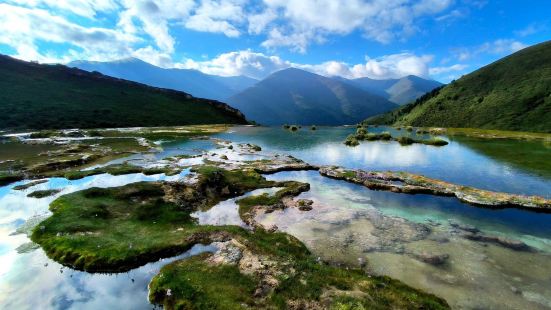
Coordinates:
394 234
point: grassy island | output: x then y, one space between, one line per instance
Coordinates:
117 229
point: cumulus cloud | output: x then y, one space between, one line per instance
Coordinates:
247 62
217 16
259 65
86 8
155 17
385 67
22 28
310 21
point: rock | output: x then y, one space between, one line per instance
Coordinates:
433 259
516 245
304 204
464 227
228 253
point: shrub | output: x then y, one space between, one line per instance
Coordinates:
405 140
351 141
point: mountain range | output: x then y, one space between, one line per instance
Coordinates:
305 98
194 82
40 96
296 96
513 93
400 91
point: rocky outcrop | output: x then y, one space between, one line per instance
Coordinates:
404 182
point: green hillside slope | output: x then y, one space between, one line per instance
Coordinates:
35 96
513 93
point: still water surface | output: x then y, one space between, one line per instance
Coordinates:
349 223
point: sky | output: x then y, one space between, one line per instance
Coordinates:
437 39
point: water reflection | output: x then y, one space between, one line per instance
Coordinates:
227 212
36 282
395 233
455 162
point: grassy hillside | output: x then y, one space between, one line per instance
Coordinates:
513 93
35 96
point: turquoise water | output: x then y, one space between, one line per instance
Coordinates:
456 162
348 222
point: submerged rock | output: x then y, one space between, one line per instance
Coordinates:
516 245
432 259
404 182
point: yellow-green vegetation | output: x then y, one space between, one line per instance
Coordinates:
293 279
37 96
351 140
28 158
116 229
43 193
409 183
119 170
290 189
513 93
363 135
496 134
119 228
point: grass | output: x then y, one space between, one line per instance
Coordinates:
117 229
34 96
512 94
351 140
117 170
363 135
290 189
195 284
43 193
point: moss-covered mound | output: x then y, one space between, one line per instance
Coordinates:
117 229
275 271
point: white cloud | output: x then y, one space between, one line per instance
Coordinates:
452 68
310 21
497 47
247 62
259 21
393 66
86 8
22 28
259 65
217 16
531 29
155 18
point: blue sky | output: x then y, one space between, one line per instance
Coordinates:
439 39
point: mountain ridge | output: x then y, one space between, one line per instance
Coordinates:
513 93
192 81
40 96
297 96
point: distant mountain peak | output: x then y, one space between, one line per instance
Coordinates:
191 81
294 95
